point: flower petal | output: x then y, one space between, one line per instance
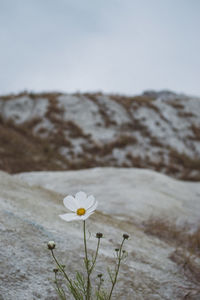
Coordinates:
85 216
70 217
81 198
93 207
89 202
71 203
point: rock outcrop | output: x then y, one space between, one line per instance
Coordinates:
160 214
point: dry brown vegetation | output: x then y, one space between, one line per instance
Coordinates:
187 249
107 148
180 236
176 104
31 95
189 266
188 164
184 114
102 109
22 151
196 132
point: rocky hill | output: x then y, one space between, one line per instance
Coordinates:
160 214
156 130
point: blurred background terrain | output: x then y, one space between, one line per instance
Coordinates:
55 131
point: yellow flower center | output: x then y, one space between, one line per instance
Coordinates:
80 211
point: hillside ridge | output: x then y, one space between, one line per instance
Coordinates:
56 131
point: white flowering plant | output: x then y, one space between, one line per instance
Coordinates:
80 287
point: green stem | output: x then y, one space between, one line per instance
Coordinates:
60 291
86 264
99 287
61 268
64 273
95 258
117 269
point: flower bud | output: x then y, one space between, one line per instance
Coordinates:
51 245
99 235
55 270
125 236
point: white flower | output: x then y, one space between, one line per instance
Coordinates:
80 205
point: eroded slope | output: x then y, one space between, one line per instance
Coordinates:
160 131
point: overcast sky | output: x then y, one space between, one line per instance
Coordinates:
117 46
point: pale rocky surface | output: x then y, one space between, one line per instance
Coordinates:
30 204
132 193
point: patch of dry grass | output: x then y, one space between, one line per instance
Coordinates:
196 131
135 102
105 149
184 114
187 163
21 151
102 109
176 104
179 236
187 249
